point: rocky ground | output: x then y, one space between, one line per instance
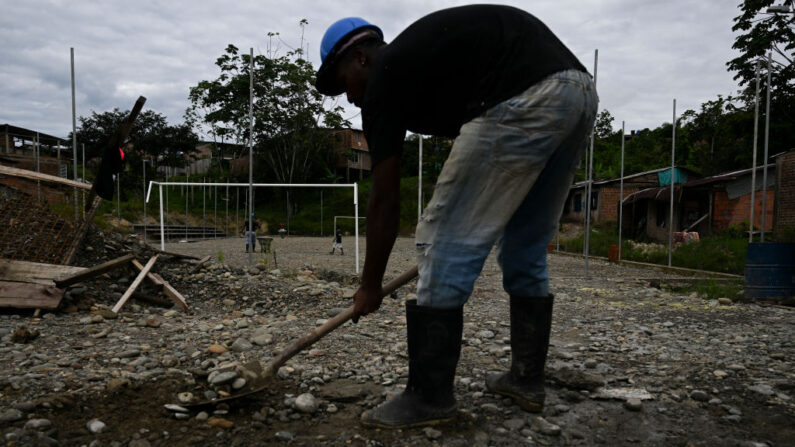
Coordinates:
630 364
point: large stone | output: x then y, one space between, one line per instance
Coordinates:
580 380
38 424
761 388
285 436
185 397
545 427
216 349
699 395
222 378
514 424
345 390
432 433
241 345
175 408
306 403
220 423
633 404
262 339
96 426
117 383
11 415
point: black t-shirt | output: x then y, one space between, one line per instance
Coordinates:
451 66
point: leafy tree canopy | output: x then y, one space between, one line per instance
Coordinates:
760 33
151 138
290 117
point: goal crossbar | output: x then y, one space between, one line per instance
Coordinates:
355 187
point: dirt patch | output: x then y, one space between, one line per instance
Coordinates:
137 412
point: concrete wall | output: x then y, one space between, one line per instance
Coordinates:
655 231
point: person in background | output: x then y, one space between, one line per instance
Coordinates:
337 242
251 234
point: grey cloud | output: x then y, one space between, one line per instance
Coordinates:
649 51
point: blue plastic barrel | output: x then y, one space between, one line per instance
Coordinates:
770 270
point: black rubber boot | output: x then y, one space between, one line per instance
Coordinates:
434 341
531 322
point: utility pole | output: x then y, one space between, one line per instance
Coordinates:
753 161
588 186
251 150
74 127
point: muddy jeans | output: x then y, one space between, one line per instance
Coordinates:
505 181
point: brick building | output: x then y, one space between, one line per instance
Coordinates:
352 154
605 194
705 205
784 209
19 148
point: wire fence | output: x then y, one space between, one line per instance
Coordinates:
38 222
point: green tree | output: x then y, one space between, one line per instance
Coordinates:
290 117
151 138
291 134
760 32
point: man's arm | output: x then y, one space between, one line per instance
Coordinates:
383 219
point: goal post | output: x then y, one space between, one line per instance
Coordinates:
355 187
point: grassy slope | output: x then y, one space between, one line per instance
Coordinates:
720 253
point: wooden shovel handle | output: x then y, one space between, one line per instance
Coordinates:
333 323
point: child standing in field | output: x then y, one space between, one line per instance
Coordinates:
251 233
337 242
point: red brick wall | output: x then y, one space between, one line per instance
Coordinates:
608 202
732 212
785 187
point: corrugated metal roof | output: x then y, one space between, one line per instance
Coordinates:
727 176
30 134
662 193
627 177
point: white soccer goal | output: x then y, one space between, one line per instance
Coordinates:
266 185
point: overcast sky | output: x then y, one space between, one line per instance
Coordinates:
649 51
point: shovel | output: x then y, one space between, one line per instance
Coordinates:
258 378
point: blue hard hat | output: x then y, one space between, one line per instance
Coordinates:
337 35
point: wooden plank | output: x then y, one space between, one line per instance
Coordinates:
81 233
35 272
22 295
135 284
93 271
149 276
160 302
172 293
33 175
199 264
177 255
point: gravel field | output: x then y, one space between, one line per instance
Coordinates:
630 363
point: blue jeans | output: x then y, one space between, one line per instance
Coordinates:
505 182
